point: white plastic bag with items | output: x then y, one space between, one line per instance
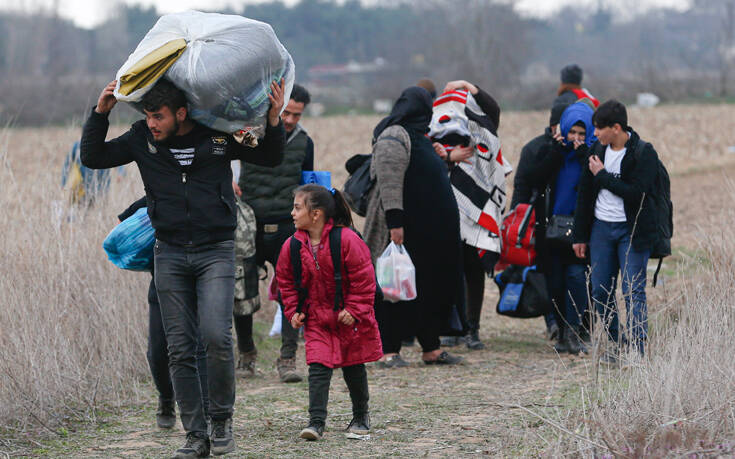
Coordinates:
396 274
225 69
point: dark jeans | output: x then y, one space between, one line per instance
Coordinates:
398 320
474 277
196 290
319 378
268 242
567 284
611 253
244 330
157 353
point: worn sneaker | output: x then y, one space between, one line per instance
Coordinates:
314 431
287 370
246 364
193 448
472 340
574 342
394 361
166 414
445 358
222 441
360 425
449 341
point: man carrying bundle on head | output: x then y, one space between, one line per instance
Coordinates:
185 167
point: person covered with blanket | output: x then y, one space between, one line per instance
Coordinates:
558 173
412 204
464 127
338 334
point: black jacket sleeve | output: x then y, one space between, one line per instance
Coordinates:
95 153
139 204
642 177
269 151
490 106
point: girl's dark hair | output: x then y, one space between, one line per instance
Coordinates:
333 205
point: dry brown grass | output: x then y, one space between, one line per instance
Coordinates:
73 327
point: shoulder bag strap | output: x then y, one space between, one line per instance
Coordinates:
335 247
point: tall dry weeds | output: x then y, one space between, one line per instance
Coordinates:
678 400
72 326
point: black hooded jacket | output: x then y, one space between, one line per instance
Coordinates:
188 205
637 177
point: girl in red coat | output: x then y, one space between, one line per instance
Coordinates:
337 335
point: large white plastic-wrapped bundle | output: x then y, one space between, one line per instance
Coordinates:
225 69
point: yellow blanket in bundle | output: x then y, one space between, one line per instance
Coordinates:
152 67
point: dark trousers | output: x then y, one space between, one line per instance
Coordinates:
268 242
157 353
567 284
196 290
244 330
474 277
320 377
407 318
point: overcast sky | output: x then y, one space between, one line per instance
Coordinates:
89 13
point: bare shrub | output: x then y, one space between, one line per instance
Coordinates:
680 398
73 326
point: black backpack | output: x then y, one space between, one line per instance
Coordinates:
664 212
335 247
358 184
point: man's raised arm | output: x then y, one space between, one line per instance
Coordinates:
95 153
269 151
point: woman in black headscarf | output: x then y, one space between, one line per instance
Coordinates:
413 204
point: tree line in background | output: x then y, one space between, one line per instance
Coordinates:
51 71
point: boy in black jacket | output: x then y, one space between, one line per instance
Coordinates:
185 168
615 218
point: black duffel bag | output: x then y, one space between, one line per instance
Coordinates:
523 292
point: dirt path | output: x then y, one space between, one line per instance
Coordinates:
483 407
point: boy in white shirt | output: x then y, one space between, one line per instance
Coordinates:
615 219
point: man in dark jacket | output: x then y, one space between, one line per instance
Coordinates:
615 219
186 173
570 89
269 192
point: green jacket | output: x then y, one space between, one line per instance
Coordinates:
269 190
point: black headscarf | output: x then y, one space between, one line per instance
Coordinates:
412 111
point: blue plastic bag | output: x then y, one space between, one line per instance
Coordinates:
323 178
130 244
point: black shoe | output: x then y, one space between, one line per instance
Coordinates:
193 448
473 341
166 414
222 441
609 358
584 336
445 358
314 431
552 332
360 425
394 361
574 343
561 346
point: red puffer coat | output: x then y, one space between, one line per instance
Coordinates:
328 341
